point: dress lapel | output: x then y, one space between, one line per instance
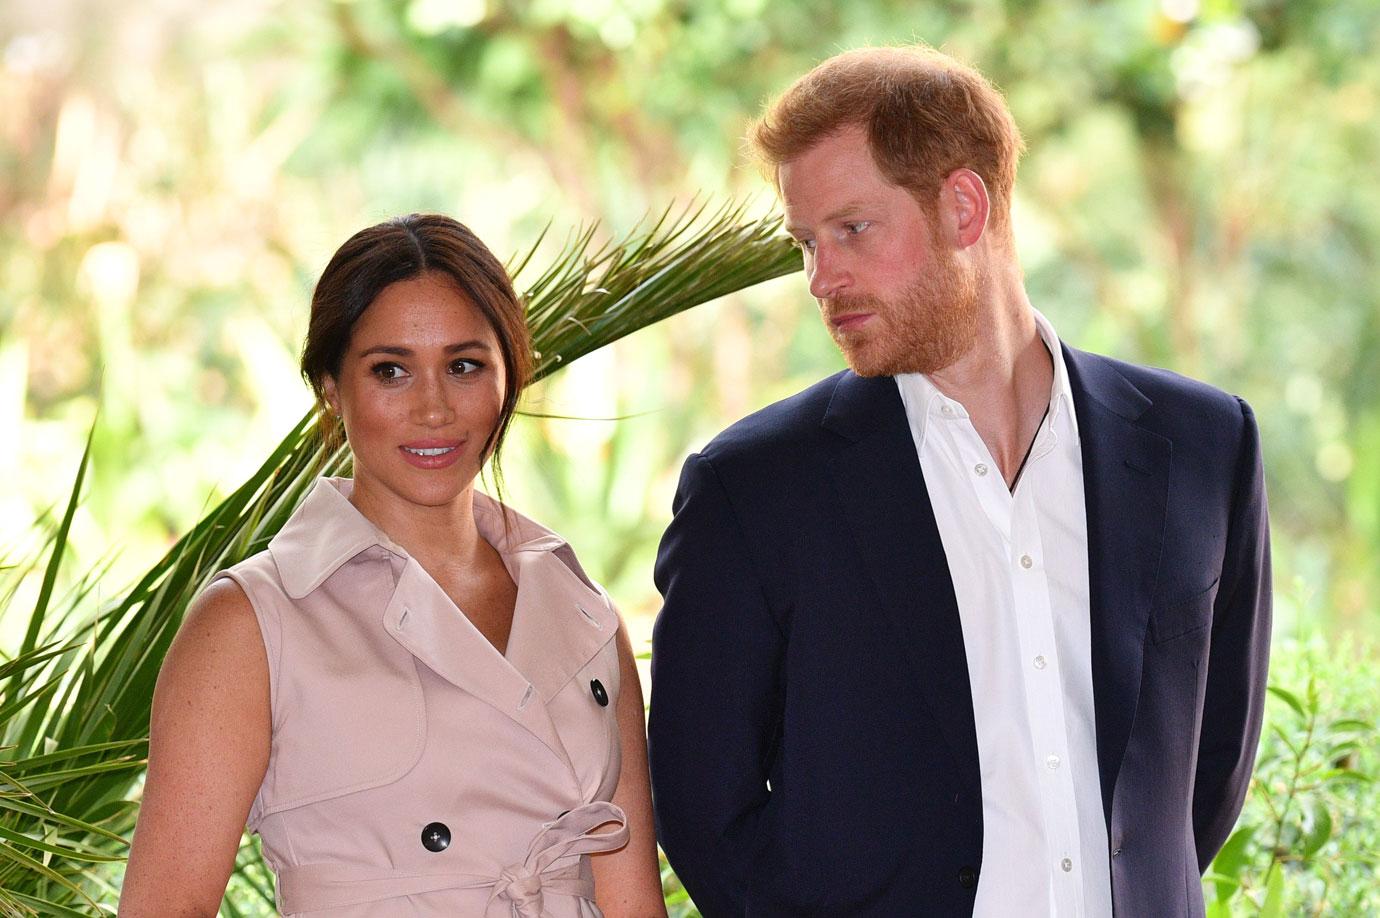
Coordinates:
885 503
560 622
1126 489
422 618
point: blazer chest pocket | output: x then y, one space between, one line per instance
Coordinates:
1184 617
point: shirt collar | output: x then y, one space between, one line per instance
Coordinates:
327 531
922 397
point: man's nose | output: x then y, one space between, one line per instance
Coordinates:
828 274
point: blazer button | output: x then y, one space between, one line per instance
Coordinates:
596 689
436 837
967 877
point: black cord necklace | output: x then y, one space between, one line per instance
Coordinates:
1029 449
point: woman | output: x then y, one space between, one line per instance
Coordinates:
415 696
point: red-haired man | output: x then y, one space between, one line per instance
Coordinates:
979 626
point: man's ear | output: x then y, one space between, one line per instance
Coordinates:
965 205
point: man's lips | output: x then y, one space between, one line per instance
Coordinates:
431 453
848 321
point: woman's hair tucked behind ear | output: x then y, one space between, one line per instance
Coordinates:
401 249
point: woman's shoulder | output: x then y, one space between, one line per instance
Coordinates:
220 624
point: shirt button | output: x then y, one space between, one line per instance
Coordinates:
946 410
967 877
436 836
596 688
1027 562
980 468
1066 864
1052 761
1040 662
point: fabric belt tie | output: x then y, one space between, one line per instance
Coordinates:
522 886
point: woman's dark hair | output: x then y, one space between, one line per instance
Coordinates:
401 249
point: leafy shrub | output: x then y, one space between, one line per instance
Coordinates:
1308 839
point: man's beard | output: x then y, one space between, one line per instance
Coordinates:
928 327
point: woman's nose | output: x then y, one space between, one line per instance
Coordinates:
432 407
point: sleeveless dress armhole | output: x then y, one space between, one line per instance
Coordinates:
271 631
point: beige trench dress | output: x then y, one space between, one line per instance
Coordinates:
414 770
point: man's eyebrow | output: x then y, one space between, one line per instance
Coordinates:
838 213
399 351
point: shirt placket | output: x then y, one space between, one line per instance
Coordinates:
1043 679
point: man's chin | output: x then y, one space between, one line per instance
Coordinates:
865 363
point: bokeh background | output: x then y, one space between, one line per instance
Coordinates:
1199 193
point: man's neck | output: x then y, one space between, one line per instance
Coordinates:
1004 381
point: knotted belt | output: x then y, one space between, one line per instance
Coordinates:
309 887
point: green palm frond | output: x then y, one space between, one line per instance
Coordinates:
75 700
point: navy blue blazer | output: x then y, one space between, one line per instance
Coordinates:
811 730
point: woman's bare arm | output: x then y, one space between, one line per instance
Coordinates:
627 882
208 750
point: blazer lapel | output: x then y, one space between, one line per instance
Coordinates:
1126 490
887 508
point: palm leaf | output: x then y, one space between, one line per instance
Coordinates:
74 713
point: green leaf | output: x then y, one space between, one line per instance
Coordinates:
1273 906
1231 861
1219 908
1317 828
1351 725
80 854
1288 698
1345 776
59 547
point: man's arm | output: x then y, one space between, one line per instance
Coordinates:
1237 659
716 653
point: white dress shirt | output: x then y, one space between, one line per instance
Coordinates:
1019 563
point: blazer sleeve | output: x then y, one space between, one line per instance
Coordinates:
1237 658
715 709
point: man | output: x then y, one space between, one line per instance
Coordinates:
979 626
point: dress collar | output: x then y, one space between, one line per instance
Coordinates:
327 531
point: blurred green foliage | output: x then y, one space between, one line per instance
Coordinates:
1308 842
1199 193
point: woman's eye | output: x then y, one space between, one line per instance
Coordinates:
388 372
461 367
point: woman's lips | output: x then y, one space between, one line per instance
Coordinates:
431 454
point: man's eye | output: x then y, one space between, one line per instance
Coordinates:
805 245
857 226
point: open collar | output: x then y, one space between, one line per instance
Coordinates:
921 396
327 531
561 621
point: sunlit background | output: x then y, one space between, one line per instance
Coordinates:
1199 193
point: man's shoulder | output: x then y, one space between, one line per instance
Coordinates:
780 428
1174 397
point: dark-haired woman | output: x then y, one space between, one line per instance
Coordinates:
415 696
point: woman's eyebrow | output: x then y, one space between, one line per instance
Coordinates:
396 350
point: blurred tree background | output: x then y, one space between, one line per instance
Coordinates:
1199 193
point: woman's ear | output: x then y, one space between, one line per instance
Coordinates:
331 395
